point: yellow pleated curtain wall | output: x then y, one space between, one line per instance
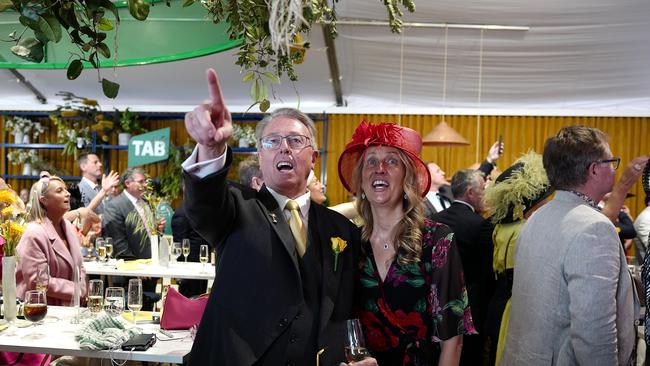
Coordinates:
628 138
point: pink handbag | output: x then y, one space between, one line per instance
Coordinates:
179 312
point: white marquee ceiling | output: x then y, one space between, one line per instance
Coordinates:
581 57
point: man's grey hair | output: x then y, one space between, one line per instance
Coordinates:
288 113
464 179
130 172
248 169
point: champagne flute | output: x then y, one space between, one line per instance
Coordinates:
42 276
135 296
35 307
204 254
355 347
176 251
114 301
101 249
108 243
186 248
95 295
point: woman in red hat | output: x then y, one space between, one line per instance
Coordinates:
411 297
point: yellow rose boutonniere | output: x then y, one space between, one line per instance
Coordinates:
338 246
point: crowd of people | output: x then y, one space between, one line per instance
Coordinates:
473 271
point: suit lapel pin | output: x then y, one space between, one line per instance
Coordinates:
273 218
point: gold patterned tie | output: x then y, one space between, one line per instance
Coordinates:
297 227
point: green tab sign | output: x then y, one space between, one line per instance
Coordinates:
149 147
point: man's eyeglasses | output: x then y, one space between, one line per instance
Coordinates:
295 142
615 162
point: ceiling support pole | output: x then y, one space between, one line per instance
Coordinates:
21 79
335 74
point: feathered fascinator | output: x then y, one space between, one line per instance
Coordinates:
518 189
384 134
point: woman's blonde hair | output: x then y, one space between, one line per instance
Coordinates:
408 236
37 212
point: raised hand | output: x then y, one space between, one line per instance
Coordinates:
210 124
495 152
109 181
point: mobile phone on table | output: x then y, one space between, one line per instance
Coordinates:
139 342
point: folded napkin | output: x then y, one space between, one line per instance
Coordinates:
105 332
132 265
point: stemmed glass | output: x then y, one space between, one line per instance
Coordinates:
204 255
114 301
186 248
95 295
355 347
35 307
108 243
176 251
100 244
135 296
42 276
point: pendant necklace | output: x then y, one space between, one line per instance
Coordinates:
385 246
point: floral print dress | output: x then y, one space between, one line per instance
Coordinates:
417 305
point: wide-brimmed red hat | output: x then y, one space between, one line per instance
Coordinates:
384 134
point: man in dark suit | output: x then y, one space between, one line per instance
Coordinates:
281 292
474 237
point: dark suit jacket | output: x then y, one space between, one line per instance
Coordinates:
429 208
474 237
257 290
127 242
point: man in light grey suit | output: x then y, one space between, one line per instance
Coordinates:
92 192
572 297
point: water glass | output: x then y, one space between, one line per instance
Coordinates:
114 301
95 295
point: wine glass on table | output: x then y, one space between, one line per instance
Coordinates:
355 346
204 255
35 307
186 248
42 277
114 301
100 244
108 243
95 295
134 301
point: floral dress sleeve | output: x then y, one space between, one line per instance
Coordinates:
450 311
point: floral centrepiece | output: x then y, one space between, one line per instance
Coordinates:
338 246
24 126
11 228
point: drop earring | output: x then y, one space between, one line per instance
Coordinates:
405 196
363 196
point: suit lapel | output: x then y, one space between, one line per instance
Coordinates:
321 232
275 216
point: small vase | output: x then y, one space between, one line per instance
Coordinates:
155 256
18 137
9 308
26 139
80 143
35 171
27 169
243 142
163 251
123 138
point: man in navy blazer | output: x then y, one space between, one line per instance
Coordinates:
269 305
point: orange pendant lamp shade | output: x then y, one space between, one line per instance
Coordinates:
444 135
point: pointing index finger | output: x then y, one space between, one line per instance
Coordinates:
215 89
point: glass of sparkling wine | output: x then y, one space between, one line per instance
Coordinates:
135 296
108 243
204 256
95 296
100 243
186 248
35 307
114 301
42 276
355 347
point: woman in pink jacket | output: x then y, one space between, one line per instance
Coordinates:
51 239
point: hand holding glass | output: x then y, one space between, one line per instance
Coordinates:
135 296
355 346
